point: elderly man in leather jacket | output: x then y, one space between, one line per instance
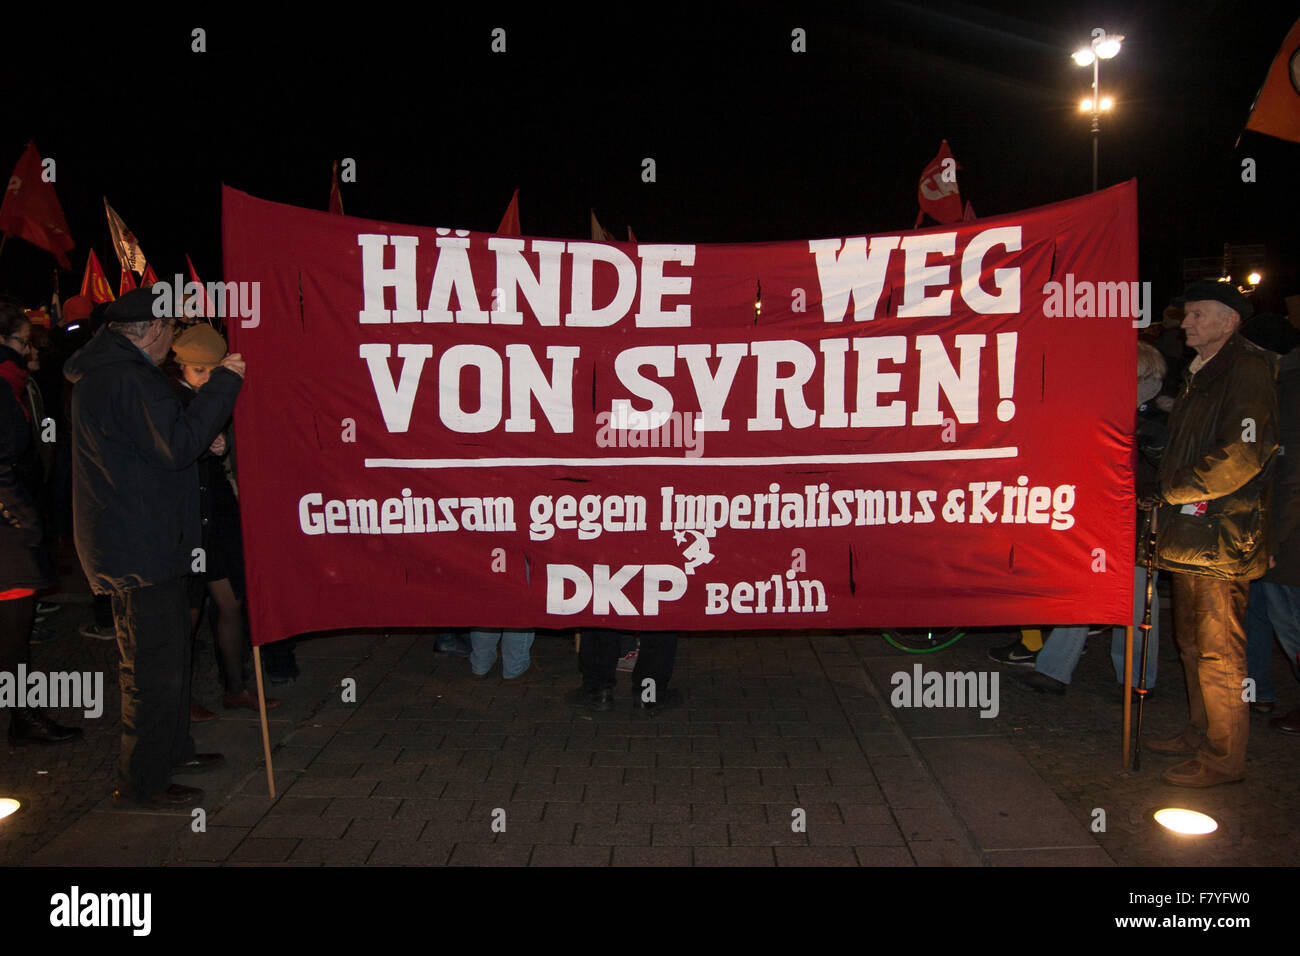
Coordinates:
1214 501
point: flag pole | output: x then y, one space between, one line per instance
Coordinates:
265 729
1128 691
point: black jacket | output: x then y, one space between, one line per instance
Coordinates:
1286 480
134 484
1222 443
22 557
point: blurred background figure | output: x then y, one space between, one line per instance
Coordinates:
24 567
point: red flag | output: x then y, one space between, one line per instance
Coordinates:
149 278
94 284
937 191
126 283
31 210
336 198
206 303
969 214
630 236
1276 111
510 221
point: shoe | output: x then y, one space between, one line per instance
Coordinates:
174 796
199 763
281 669
1171 746
533 675
599 700
1042 682
1193 773
627 663
484 676
200 714
40 635
99 633
1288 724
1015 653
1261 707
28 725
246 700
670 698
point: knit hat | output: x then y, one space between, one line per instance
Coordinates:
200 344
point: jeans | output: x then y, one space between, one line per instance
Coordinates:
1272 607
1064 646
1209 628
454 642
514 651
153 639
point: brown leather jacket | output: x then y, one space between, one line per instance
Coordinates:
1223 438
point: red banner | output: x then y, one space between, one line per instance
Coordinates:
446 428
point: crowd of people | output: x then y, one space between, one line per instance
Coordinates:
146 483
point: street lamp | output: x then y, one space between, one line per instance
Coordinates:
1103 47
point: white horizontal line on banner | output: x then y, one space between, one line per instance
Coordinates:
957 454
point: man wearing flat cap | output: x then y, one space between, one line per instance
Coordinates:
1212 525
135 506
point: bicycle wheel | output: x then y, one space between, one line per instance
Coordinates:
923 640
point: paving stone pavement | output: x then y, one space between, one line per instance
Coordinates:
785 752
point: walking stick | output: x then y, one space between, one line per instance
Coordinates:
1146 632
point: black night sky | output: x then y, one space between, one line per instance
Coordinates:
751 141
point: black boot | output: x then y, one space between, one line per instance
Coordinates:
30 726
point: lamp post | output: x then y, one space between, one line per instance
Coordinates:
1103 47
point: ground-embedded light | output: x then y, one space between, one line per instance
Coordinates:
1189 822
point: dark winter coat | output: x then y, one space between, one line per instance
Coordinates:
1286 480
134 484
1223 440
23 563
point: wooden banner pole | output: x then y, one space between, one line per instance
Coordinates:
265 729
1128 693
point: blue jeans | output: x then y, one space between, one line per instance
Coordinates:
1273 607
453 642
1064 646
514 651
